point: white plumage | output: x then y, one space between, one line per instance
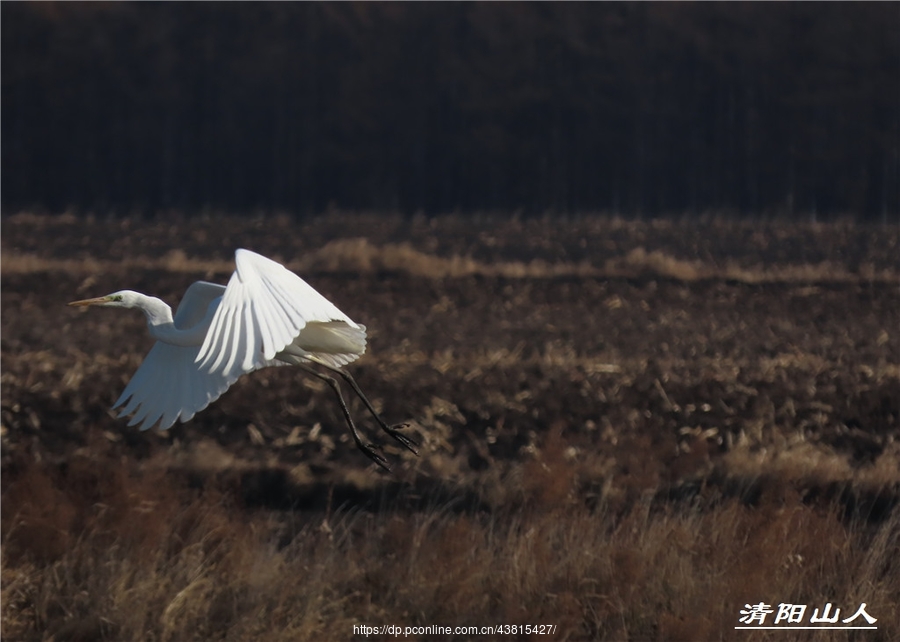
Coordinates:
265 316
264 310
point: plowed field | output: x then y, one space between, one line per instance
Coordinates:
633 408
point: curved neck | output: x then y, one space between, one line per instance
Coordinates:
162 327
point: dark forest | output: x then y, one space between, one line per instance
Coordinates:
775 110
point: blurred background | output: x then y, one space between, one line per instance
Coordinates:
630 270
787 110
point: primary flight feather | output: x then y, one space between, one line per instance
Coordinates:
265 316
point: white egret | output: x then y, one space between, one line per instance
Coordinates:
265 316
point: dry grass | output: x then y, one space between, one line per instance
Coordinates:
623 432
577 249
359 256
98 550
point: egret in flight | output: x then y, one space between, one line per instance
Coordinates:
265 316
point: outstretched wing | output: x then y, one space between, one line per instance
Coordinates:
195 302
263 310
170 386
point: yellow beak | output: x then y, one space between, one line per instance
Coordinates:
95 301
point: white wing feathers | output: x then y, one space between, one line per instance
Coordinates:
169 386
259 314
264 308
195 303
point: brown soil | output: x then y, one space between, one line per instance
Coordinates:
715 376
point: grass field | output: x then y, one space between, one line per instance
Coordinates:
629 430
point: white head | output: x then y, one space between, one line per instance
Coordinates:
120 299
159 315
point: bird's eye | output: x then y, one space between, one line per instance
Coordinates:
117 297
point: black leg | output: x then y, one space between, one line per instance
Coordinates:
393 431
368 450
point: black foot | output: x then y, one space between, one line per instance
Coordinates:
369 451
406 442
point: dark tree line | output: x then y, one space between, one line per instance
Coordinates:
644 109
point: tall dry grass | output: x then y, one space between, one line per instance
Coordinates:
94 549
577 474
359 256
753 252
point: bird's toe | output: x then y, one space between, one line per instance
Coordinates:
407 442
370 452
